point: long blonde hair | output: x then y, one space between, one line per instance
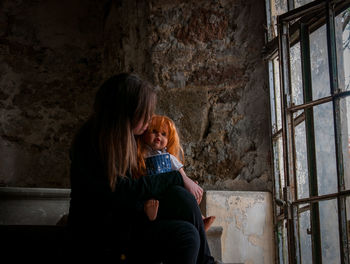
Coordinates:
121 103
164 124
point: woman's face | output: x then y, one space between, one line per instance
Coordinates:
141 127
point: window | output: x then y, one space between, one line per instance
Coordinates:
308 55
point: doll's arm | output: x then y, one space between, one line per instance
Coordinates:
191 186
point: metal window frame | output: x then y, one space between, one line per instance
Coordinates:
289 33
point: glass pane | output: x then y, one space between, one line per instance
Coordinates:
296 75
298 3
272 98
277 93
348 216
319 63
329 231
325 149
282 242
345 131
278 191
278 170
342 27
277 7
281 164
301 161
304 236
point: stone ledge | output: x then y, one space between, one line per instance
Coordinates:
33 193
214 241
33 206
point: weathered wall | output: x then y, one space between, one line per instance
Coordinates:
247 222
206 60
203 56
50 57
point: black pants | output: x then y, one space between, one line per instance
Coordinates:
177 236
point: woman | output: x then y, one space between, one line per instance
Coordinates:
105 219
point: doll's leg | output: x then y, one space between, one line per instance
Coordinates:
208 221
151 209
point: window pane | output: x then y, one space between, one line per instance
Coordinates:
329 231
319 63
301 161
281 164
278 7
282 242
298 3
325 149
278 191
272 98
345 131
304 237
278 168
277 93
342 25
296 75
347 206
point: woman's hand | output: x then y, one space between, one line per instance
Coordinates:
192 187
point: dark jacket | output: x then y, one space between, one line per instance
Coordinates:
96 212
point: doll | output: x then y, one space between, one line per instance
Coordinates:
160 151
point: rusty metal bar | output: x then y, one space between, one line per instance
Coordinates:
299 119
336 95
321 197
310 142
310 104
296 121
287 132
333 74
277 134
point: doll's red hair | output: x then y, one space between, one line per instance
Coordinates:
163 124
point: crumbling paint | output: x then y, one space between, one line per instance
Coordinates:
246 218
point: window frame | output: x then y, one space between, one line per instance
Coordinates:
295 26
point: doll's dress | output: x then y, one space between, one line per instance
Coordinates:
160 161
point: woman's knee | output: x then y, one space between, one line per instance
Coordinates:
180 195
186 242
188 234
178 203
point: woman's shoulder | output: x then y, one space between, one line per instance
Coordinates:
83 137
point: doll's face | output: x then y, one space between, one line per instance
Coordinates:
156 139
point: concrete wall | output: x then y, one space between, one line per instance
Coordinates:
203 56
247 222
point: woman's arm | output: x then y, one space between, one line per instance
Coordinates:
88 183
129 190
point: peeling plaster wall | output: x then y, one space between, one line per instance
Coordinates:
203 56
247 222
